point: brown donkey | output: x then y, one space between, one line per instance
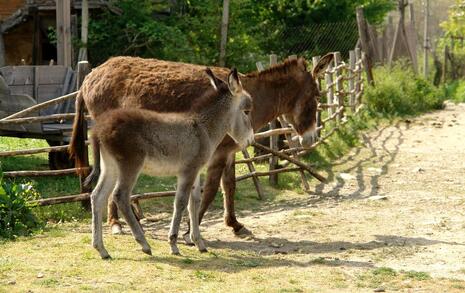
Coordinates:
132 140
285 89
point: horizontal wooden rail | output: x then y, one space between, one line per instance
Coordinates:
36 151
266 173
292 160
14 174
41 106
48 118
271 132
85 196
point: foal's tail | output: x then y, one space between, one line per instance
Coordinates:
78 137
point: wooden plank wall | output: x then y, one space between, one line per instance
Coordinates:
8 7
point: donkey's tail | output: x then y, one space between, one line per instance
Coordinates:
78 137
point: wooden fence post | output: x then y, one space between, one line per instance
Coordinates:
329 88
63 28
352 76
83 68
364 39
358 76
252 170
315 60
224 32
339 85
444 65
2 48
273 139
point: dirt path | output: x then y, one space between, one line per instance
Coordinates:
398 202
392 219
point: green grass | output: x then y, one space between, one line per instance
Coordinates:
62 259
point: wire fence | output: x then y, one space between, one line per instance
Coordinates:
306 41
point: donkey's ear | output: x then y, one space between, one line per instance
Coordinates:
234 83
321 66
213 79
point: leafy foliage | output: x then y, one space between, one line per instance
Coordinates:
191 30
454 26
16 216
399 91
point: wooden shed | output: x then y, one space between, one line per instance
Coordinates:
27 26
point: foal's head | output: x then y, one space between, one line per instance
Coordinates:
239 127
303 112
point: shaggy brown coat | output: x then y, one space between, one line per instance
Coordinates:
285 89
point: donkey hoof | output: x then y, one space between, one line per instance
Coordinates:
203 250
105 255
243 231
175 250
188 240
147 251
116 229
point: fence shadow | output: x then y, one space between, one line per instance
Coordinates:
388 135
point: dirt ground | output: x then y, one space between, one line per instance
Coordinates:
398 201
391 219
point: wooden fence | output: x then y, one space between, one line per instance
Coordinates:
342 86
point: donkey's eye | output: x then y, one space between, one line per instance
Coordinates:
247 112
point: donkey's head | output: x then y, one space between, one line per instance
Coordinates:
303 113
239 127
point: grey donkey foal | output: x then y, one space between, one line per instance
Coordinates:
135 140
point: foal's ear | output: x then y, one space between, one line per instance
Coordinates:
213 79
235 85
321 66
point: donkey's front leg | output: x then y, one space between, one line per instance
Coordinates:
181 198
228 184
194 204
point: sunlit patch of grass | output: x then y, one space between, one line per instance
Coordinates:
390 279
419 276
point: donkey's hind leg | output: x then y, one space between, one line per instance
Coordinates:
194 205
99 198
181 198
122 196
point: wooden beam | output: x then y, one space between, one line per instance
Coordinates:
2 49
84 30
36 37
63 29
364 40
224 33
83 68
46 104
292 160
274 161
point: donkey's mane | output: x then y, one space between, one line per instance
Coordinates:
290 66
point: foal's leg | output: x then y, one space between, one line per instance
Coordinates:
183 191
210 187
194 203
99 197
122 196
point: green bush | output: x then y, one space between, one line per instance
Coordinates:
455 91
399 91
16 216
